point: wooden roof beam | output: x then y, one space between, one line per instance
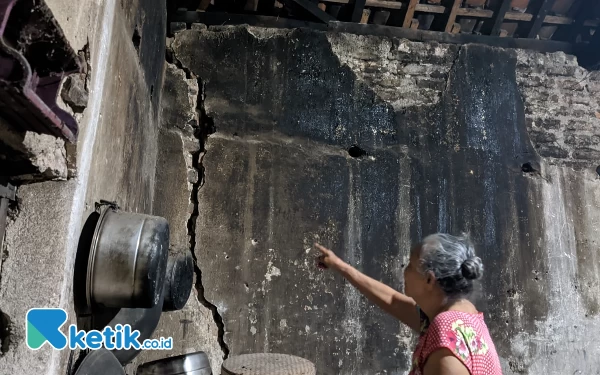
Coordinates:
410 13
466 12
452 15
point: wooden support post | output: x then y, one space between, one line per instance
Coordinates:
251 6
452 15
579 12
265 6
380 17
357 10
414 24
203 5
455 28
410 12
531 29
365 16
589 54
493 26
334 10
314 10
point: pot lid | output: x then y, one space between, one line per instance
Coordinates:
100 362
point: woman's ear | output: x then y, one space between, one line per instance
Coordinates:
430 278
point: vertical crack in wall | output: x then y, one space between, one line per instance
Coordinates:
204 128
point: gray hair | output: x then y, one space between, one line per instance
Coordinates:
452 261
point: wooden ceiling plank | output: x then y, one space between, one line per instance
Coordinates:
467 12
476 13
426 8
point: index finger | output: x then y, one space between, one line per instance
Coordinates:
323 249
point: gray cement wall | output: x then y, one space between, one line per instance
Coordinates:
447 132
116 157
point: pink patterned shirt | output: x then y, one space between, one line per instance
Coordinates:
465 335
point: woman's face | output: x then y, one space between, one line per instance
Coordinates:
415 283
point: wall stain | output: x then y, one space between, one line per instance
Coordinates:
289 96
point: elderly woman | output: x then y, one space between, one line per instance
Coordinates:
454 339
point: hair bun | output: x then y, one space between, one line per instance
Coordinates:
472 268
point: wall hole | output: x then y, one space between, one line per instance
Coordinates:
136 39
4 333
356 152
598 170
528 168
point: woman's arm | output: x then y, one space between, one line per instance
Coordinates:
391 301
443 362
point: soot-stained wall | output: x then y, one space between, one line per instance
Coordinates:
451 139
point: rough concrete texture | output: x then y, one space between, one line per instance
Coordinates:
193 328
116 160
32 271
563 108
74 92
30 157
48 154
450 143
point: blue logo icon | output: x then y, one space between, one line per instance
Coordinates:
43 325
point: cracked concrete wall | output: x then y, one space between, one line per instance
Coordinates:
456 138
177 181
116 156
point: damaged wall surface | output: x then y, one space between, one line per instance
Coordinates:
116 155
367 144
178 178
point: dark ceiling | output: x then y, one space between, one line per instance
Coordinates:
546 25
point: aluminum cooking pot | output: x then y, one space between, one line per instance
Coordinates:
188 364
128 259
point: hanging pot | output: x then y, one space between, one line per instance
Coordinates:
128 259
178 281
188 364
